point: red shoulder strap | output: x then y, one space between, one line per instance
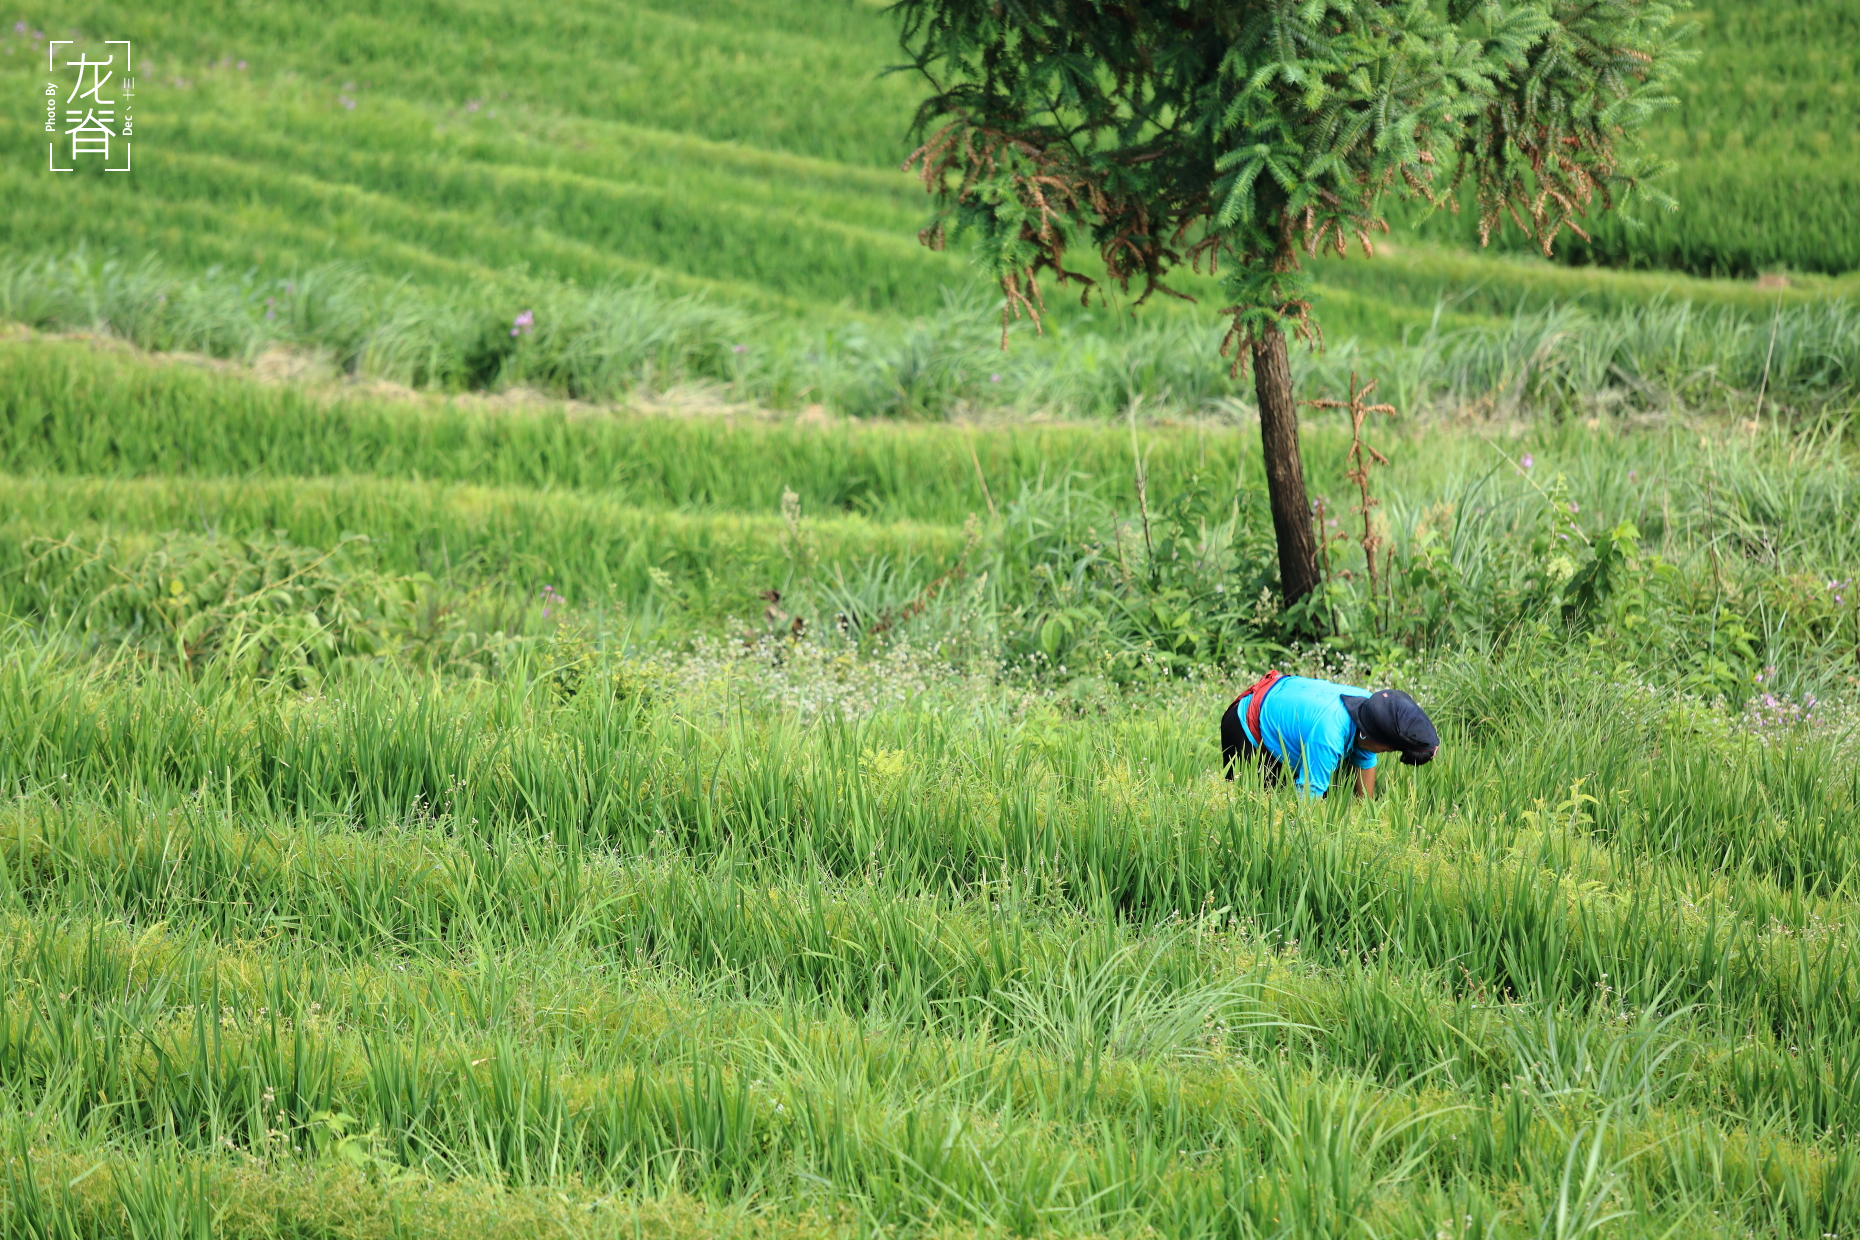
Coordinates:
1258 690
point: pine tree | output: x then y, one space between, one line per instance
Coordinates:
1245 134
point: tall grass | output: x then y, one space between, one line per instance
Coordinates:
1010 541
600 343
612 934
921 966
71 410
622 341
506 817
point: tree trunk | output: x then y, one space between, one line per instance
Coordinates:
1285 471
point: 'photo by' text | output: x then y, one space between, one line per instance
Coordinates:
85 121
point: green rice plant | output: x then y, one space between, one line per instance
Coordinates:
511 548
1658 355
1115 1010
142 302
516 165
520 870
789 216
601 344
1719 560
69 411
520 1118
1494 919
263 608
622 340
616 342
66 409
401 118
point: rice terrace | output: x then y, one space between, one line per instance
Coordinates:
651 618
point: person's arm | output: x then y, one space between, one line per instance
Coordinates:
1366 783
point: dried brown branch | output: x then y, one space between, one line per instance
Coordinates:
1361 456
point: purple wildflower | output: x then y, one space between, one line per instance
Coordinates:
994 378
19 27
522 324
1527 460
346 102
739 348
472 105
1573 507
240 66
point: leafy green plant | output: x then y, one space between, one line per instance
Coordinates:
1185 585
261 607
339 1138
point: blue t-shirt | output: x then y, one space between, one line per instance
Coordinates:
1308 729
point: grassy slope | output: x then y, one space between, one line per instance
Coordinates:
967 963
1767 147
746 151
943 966
701 141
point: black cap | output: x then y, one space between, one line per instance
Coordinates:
1390 717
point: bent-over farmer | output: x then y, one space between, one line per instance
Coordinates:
1314 727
